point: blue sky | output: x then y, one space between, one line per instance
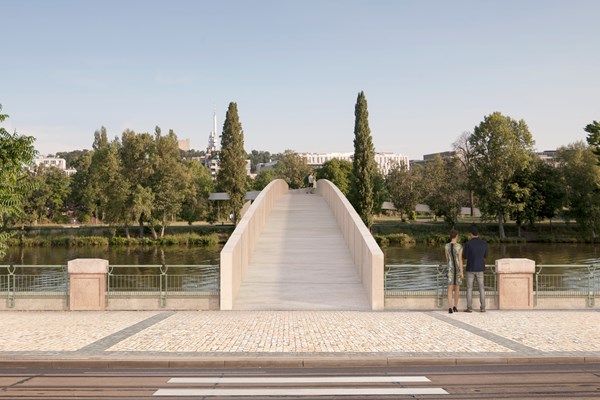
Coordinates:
430 70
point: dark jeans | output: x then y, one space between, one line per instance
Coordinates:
470 276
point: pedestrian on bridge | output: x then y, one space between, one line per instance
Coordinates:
475 251
453 252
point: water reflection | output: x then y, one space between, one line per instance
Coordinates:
541 253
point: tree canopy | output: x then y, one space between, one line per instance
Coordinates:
16 151
500 146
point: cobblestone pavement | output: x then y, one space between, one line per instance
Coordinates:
300 333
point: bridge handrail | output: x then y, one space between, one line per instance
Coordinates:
365 251
236 252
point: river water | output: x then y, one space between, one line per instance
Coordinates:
541 253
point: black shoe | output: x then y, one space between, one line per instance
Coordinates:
454 309
468 310
482 310
449 311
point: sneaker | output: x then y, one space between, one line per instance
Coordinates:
449 311
482 310
468 310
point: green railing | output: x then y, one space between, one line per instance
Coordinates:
406 280
162 281
568 281
32 281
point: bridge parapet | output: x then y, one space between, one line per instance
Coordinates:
366 253
238 249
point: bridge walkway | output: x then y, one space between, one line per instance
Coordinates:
301 261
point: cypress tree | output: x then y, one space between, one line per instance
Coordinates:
363 165
232 172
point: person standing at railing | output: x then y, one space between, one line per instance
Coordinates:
453 251
475 251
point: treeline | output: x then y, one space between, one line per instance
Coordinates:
143 181
139 179
496 169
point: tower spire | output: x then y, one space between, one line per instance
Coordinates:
212 138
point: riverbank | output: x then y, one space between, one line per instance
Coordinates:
99 235
392 231
388 231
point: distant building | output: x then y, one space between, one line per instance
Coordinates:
431 157
385 161
184 145
265 166
549 157
56 162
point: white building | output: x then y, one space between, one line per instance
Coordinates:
56 162
385 161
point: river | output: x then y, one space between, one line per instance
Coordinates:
541 253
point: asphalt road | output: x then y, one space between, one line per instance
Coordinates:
565 381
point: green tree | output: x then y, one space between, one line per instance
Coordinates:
593 138
582 178
168 181
257 157
15 151
232 173
142 199
71 157
263 178
363 166
195 203
403 188
339 172
52 192
81 198
137 154
545 194
108 182
292 168
500 147
442 189
464 156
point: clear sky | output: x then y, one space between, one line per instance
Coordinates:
430 70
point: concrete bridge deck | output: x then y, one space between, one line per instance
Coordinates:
301 261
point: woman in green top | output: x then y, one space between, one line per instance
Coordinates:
455 275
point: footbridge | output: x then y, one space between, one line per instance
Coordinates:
298 251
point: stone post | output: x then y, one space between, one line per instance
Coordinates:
515 283
87 284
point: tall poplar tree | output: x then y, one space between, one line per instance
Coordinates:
232 172
363 166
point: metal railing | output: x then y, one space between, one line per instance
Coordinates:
405 280
33 281
568 281
162 281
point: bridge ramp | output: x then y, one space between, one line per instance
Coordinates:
301 261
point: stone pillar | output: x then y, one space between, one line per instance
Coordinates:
515 283
87 284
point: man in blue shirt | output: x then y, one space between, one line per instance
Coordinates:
475 251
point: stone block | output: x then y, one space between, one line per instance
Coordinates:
515 283
87 279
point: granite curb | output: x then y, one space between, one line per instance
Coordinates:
236 362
